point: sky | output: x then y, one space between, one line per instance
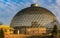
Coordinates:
8 8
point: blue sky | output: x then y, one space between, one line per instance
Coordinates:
8 8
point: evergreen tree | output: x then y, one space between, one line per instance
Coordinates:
1 33
55 31
1 23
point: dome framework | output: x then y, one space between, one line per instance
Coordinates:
32 14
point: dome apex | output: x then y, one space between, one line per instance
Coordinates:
35 5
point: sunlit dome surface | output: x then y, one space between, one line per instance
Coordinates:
33 14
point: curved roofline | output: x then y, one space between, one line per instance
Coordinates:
33 7
28 8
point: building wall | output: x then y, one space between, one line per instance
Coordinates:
36 31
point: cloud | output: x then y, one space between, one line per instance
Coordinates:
9 8
58 2
35 1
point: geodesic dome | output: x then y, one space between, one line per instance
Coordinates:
32 14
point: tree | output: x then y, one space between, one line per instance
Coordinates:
55 31
1 33
1 23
